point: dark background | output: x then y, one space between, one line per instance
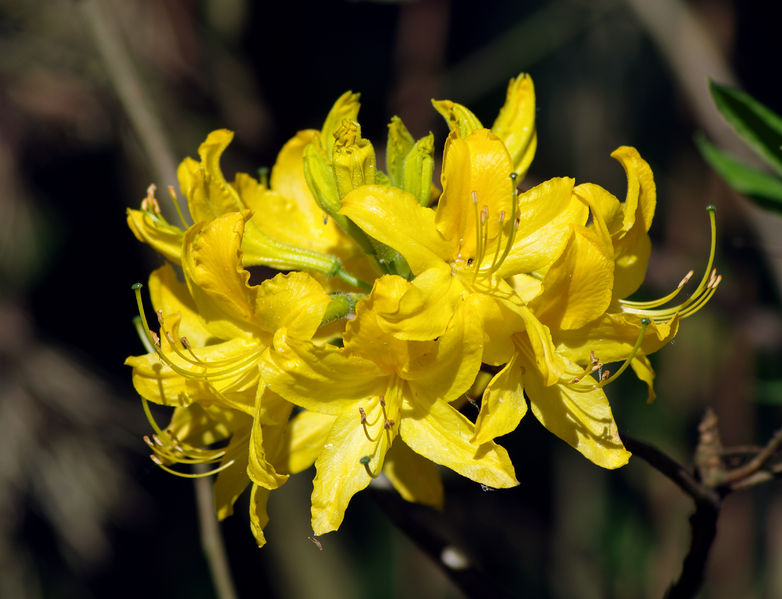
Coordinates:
84 513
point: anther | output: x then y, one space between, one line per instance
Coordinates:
159 314
363 415
388 424
605 375
686 279
185 343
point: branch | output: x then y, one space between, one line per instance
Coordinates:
703 522
738 475
672 469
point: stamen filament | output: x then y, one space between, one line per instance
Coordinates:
697 298
160 464
645 322
175 200
663 300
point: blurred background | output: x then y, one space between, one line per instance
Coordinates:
84 513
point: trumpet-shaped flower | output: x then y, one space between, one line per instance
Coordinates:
582 326
480 234
382 392
304 243
214 332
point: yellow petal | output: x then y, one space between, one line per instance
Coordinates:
413 476
308 433
217 281
579 414
545 214
340 472
641 199
162 237
209 194
631 260
232 481
644 371
426 307
173 297
446 368
536 344
437 431
395 218
475 169
283 218
266 440
503 404
294 300
156 382
612 338
323 379
195 426
287 176
632 249
515 124
577 287
259 517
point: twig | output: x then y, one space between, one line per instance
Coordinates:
737 475
703 522
677 473
419 523
211 539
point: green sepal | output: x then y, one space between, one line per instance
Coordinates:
381 178
320 179
258 249
759 126
319 174
341 305
417 169
764 189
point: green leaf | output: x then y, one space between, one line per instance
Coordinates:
765 189
755 123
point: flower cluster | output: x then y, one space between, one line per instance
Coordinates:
399 301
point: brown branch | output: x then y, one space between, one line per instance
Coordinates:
703 522
677 473
737 475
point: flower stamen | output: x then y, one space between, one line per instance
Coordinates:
605 376
697 299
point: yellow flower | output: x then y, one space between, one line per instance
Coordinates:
382 392
582 326
462 252
214 332
265 242
586 320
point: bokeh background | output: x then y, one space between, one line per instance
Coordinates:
84 513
